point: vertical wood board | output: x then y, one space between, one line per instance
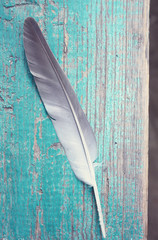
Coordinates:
103 48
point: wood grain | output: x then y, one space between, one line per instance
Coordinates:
103 48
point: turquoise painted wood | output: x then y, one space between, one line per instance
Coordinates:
103 48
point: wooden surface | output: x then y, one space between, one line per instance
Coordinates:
153 126
103 48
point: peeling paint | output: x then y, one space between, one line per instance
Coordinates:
101 46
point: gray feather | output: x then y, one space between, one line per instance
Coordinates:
61 103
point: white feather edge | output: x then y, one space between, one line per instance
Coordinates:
91 168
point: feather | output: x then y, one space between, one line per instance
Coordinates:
61 103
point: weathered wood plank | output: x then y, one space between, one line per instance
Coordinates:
103 48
